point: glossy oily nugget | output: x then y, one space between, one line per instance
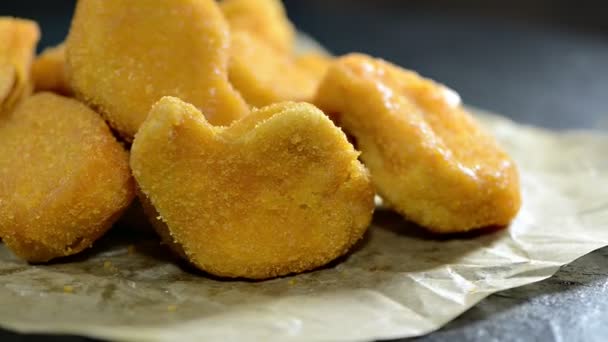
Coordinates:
64 179
265 76
124 55
266 19
48 71
280 191
18 40
428 157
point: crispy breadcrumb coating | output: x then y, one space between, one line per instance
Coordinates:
64 179
280 191
124 55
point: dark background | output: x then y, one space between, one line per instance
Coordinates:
538 62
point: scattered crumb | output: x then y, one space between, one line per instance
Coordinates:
108 266
68 289
292 282
172 308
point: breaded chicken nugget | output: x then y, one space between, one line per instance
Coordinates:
265 76
428 157
280 191
48 71
18 40
64 179
124 55
266 19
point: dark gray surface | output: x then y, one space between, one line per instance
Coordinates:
570 306
551 76
547 76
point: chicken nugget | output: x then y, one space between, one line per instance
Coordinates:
264 76
428 157
64 179
266 19
48 71
280 191
124 55
18 40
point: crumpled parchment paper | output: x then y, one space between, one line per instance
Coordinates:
398 282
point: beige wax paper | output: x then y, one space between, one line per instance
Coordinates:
398 282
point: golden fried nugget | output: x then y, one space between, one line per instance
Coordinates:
315 64
124 55
48 71
64 179
428 157
18 40
280 191
265 18
264 76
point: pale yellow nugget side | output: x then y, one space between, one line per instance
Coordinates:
315 64
266 19
48 71
18 40
264 76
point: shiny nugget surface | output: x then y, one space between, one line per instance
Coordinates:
428 157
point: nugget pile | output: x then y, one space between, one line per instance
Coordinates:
239 155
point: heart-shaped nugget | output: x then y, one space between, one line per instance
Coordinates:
428 157
280 191
124 55
64 179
